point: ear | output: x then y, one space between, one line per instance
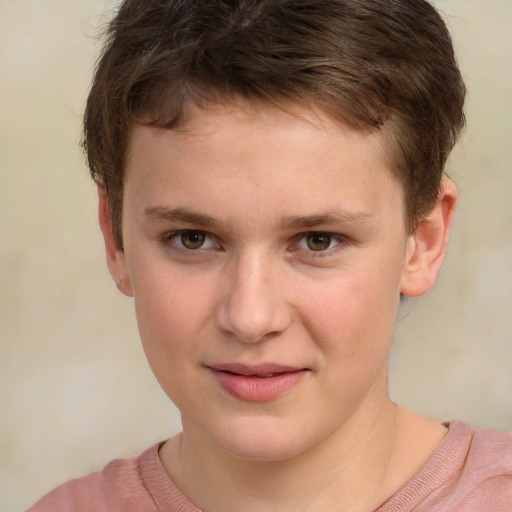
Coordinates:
116 259
426 248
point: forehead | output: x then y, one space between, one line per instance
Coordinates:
240 125
245 150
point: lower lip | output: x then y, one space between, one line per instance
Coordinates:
257 389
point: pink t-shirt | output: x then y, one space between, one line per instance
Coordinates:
471 471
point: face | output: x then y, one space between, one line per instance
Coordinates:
265 252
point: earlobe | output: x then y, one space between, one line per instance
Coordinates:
116 259
426 248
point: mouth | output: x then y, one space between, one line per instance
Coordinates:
257 383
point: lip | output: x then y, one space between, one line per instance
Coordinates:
256 383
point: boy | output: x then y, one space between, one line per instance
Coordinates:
270 178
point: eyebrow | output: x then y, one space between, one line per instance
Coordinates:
331 217
163 213
338 216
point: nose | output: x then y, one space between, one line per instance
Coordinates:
253 306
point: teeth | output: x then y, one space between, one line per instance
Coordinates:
268 375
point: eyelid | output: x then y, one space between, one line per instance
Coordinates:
169 238
341 242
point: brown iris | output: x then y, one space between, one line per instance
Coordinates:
192 239
318 241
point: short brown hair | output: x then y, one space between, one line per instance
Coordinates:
372 63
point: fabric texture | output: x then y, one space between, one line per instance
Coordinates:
471 471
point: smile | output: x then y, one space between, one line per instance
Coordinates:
259 383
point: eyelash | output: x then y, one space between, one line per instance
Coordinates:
169 240
341 243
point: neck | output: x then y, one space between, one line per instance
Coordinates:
350 466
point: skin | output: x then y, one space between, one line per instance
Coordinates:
249 189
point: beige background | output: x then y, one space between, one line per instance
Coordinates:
75 390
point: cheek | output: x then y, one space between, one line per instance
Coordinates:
168 324
353 326
171 313
353 318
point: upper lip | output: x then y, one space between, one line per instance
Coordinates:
258 369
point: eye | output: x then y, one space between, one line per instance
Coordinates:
318 242
192 239
189 240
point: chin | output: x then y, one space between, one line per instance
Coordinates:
262 452
263 443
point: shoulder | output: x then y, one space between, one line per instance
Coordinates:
79 494
486 475
471 470
118 486
482 480
490 452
